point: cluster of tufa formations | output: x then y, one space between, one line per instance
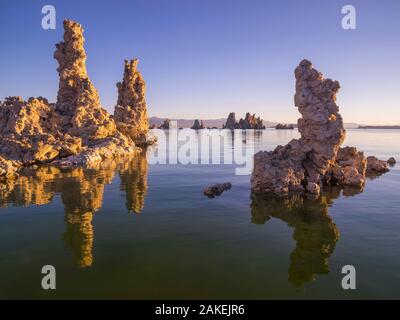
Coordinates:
305 164
249 122
281 126
75 130
198 125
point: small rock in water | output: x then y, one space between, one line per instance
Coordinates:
216 189
374 165
391 161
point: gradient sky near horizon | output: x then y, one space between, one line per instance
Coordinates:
205 58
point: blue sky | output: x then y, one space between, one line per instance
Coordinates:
205 58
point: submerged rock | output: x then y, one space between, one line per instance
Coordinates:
304 164
391 161
217 189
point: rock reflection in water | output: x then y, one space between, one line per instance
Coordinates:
133 176
315 232
81 191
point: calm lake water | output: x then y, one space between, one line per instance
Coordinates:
137 230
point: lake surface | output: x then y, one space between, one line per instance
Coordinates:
137 230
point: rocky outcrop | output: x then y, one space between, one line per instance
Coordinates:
349 168
281 126
30 134
197 125
75 130
231 123
216 189
391 161
249 122
130 113
304 164
78 102
165 125
374 165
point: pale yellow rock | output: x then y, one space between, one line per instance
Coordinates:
75 130
130 112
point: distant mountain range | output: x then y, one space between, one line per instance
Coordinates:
187 123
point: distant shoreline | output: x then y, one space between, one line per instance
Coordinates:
379 127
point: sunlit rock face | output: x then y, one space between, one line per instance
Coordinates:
30 134
130 112
75 130
305 164
251 122
349 169
78 102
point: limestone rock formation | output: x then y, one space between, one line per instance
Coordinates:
374 165
165 125
78 103
281 126
30 134
231 122
249 122
130 112
349 168
75 130
304 164
197 125
391 161
217 189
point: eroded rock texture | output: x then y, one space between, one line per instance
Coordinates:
30 134
75 130
130 112
216 189
304 164
78 102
